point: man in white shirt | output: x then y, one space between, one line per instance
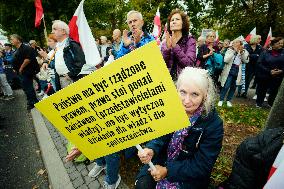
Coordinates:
69 56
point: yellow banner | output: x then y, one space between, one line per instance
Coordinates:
128 102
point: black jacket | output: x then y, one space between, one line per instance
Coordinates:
268 62
253 160
74 58
193 166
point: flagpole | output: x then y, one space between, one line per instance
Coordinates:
45 33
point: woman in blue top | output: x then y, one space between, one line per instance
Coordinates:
185 158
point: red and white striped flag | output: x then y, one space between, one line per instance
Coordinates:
248 37
269 36
81 32
39 12
157 27
276 175
217 39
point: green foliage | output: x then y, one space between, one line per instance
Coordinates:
244 115
231 18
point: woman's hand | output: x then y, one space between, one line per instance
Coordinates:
168 40
160 172
146 156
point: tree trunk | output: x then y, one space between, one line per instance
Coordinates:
276 115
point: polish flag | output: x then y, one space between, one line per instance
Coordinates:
276 175
81 32
269 36
248 37
165 31
276 163
217 37
157 26
39 12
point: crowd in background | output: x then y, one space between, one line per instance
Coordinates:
186 157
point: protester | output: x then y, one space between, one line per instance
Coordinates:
225 47
137 37
206 51
9 59
69 56
117 42
5 87
254 51
26 66
49 59
103 47
234 58
269 74
185 158
200 42
179 48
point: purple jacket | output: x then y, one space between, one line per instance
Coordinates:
183 54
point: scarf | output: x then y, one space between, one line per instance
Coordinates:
174 148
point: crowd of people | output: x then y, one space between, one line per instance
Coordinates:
201 70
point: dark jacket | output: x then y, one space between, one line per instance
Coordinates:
268 62
74 58
201 147
203 50
253 57
253 160
182 55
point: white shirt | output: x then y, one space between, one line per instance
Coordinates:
237 60
60 65
103 50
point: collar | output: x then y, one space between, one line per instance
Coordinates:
62 44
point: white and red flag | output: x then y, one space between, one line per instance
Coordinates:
276 175
252 33
81 32
269 36
157 26
217 39
39 13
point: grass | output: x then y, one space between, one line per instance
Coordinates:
240 122
245 115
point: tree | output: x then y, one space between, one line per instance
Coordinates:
275 117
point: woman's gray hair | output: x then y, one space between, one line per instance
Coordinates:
202 79
61 25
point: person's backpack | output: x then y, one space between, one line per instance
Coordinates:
253 160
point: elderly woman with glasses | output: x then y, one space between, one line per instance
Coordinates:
184 159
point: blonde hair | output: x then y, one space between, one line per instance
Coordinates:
202 79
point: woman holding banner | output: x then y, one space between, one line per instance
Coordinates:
185 158
179 48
